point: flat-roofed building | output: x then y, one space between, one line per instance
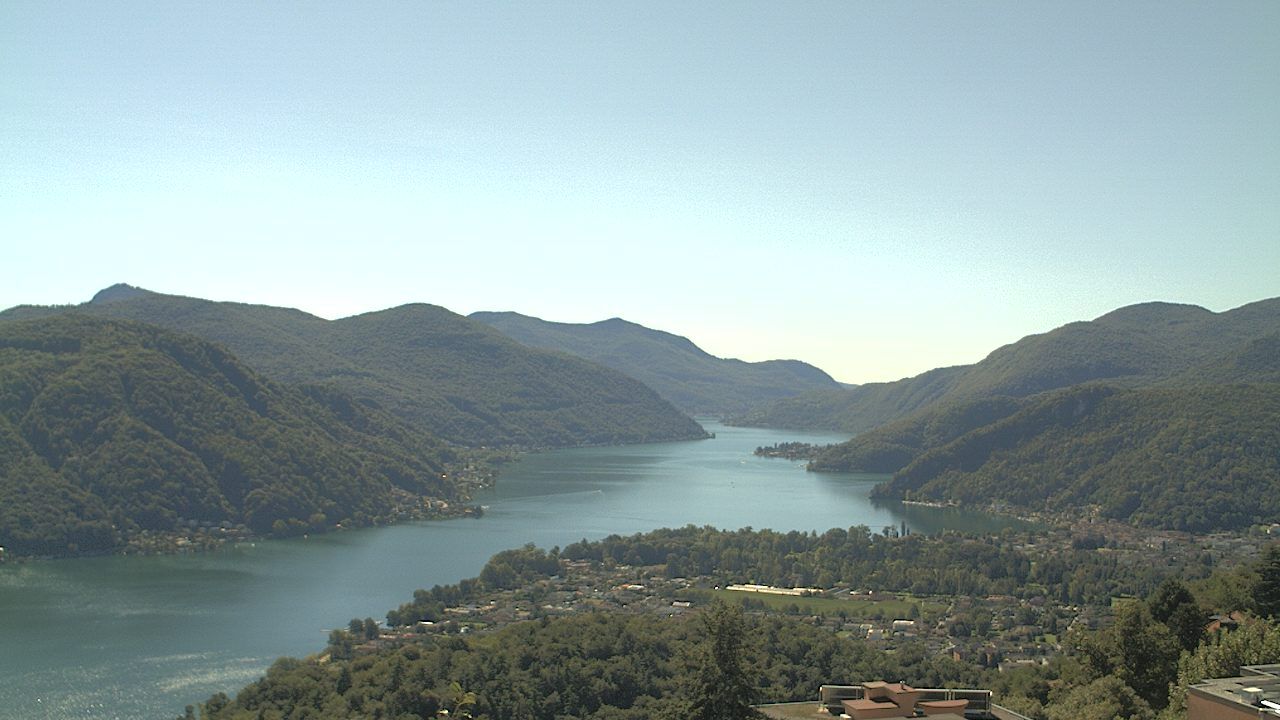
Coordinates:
1254 694
873 700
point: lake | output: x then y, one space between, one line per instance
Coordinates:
141 637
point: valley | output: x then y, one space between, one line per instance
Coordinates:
160 632
897 545
639 361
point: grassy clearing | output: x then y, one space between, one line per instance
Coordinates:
890 609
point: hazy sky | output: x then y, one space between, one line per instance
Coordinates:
876 188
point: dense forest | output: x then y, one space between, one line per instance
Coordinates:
454 378
889 448
692 379
600 666
1187 458
1135 346
1256 362
112 428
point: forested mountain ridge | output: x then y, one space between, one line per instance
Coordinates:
692 379
1182 431
1135 346
891 447
856 409
452 377
1258 361
109 428
1201 459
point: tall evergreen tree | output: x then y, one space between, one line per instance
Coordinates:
1266 593
1147 654
1174 605
718 688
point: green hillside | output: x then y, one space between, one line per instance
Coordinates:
1135 346
1257 361
857 409
692 379
890 448
452 377
110 428
1189 458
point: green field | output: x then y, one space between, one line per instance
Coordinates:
890 609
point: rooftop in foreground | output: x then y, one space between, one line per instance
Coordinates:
893 700
1255 693
810 710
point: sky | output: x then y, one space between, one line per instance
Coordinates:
877 188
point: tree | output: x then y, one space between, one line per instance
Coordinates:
461 702
1136 649
718 687
1147 654
1266 593
1174 605
1167 598
1255 642
1106 698
1187 625
340 644
214 705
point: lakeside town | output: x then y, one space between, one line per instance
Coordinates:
996 631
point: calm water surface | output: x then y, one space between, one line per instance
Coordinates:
141 637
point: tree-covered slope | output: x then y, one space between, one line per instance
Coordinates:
452 377
109 428
692 379
472 383
1192 458
891 447
1134 346
1258 361
856 409
596 666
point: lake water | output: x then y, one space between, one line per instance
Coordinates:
141 637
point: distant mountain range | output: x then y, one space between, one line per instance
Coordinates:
449 376
113 423
896 445
1161 415
692 379
112 428
1198 458
1135 346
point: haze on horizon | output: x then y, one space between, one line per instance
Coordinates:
875 188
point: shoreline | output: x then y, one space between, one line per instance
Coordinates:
206 539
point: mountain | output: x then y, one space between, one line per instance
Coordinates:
1257 361
1182 433
112 428
891 447
692 379
1135 346
856 409
452 377
1196 458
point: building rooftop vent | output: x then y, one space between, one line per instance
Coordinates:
1251 695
